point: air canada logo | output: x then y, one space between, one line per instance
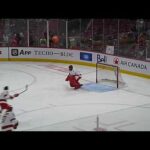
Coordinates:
14 52
116 60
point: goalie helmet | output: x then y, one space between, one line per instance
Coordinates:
70 67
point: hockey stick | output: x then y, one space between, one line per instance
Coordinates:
26 88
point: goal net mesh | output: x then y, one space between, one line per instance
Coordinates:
109 75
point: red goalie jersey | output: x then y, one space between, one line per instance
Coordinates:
74 78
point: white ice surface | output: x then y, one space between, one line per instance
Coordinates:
51 105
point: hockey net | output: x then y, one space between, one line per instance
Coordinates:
109 75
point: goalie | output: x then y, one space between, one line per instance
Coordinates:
74 78
8 120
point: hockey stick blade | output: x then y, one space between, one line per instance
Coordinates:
26 88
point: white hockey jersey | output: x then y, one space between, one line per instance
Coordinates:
7 117
74 73
4 95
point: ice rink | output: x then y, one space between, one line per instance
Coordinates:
50 104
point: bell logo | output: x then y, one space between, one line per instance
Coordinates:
116 60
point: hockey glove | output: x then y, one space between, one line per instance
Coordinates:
16 95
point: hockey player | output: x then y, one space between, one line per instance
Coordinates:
73 78
8 120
